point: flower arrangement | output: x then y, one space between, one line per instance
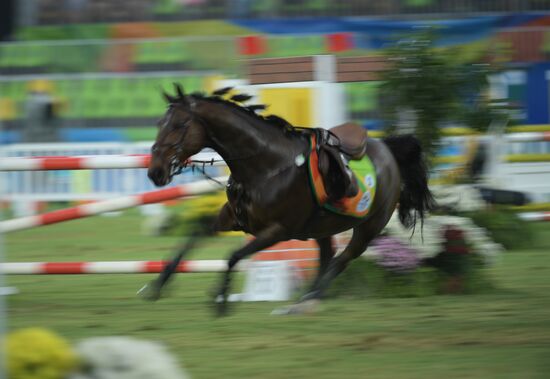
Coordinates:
126 358
454 262
197 215
453 253
459 198
394 256
446 256
39 353
432 239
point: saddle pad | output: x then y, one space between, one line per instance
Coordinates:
356 206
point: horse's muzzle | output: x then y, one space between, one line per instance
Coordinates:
158 176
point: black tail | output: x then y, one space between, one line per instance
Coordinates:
415 194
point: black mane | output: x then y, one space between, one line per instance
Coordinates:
216 97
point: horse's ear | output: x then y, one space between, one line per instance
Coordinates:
222 91
179 91
169 99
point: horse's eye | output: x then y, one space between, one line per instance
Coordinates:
154 148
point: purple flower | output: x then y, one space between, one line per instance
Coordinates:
394 256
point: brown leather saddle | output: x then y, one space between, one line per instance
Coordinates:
353 139
335 147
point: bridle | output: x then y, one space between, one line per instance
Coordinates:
176 166
174 145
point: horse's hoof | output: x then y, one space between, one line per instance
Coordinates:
220 305
301 308
149 292
313 295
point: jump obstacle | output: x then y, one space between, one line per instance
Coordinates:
91 162
104 162
127 162
535 216
119 267
86 210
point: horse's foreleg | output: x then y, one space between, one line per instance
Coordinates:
226 220
152 290
264 239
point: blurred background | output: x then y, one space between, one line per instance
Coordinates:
470 78
92 71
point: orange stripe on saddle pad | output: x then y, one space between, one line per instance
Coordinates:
316 181
356 206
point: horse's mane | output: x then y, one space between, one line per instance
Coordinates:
235 101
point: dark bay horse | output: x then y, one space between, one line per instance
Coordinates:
269 194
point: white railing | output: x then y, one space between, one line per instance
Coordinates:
505 168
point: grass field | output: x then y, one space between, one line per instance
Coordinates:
504 333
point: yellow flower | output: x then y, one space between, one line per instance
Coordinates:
38 353
204 205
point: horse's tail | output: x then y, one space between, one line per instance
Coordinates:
415 198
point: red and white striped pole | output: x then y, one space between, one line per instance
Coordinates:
111 205
90 162
142 160
120 267
535 216
527 136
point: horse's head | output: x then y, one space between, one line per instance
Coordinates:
181 135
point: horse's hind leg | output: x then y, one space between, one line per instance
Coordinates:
358 244
308 303
326 253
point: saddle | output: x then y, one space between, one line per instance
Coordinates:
335 147
353 139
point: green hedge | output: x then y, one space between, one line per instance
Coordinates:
364 278
505 227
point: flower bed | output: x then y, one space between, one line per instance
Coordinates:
37 353
448 256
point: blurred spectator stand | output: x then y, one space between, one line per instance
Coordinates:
41 110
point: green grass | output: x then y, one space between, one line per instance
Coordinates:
501 334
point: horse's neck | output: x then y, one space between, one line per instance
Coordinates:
252 151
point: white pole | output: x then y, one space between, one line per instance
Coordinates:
3 308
